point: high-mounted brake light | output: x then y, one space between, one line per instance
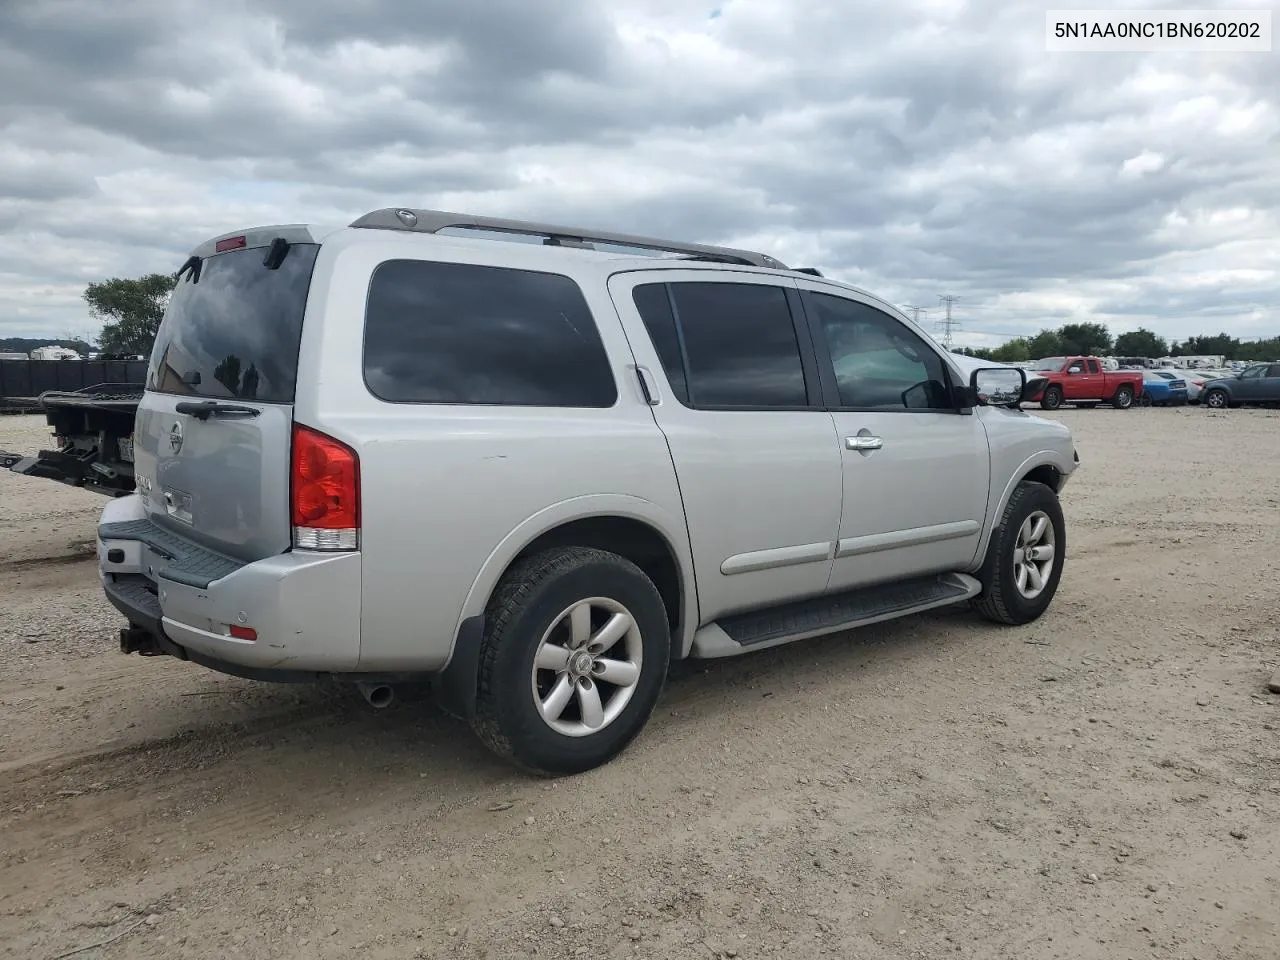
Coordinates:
325 492
229 243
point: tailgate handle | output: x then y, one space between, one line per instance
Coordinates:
208 408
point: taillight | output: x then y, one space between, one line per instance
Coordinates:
325 492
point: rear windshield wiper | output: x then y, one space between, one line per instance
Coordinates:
204 409
193 264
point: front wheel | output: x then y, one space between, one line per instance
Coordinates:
1123 399
1216 400
1025 557
1145 400
1052 398
574 656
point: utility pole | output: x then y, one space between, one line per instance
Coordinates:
948 326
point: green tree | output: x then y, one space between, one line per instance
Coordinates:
1011 351
1085 339
1141 343
1223 344
1259 350
1046 343
130 311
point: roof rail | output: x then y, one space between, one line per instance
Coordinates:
433 221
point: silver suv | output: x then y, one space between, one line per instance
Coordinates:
536 464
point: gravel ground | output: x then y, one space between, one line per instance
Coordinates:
1102 784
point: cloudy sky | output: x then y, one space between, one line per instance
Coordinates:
917 148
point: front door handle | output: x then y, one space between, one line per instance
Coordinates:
863 443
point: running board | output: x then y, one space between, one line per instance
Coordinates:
830 613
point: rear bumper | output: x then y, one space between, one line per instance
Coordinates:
304 607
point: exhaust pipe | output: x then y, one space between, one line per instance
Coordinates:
379 695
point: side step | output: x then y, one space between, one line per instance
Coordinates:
830 613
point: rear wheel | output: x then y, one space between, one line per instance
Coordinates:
1052 398
573 659
1123 399
1024 559
1216 400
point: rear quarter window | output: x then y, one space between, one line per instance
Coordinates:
465 334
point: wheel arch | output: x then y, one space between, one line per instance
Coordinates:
1045 467
631 527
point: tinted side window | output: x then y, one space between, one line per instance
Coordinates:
879 363
739 345
1093 366
460 333
654 304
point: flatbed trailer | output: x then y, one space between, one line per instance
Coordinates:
93 433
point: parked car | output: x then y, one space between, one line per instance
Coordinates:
1163 388
1082 381
537 473
1259 383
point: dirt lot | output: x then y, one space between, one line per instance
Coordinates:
1102 784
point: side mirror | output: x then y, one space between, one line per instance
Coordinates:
998 386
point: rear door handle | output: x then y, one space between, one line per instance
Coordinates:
863 443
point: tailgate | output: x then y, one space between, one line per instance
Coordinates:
212 435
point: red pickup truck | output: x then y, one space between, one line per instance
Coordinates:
1083 382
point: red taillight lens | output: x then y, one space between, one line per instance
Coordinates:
325 492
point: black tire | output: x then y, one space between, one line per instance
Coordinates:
1000 600
1052 398
524 606
1123 398
1216 400
1145 400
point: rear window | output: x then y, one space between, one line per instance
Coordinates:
465 334
233 329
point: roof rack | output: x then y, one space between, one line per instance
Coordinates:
434 221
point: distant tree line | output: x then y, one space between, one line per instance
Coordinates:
27 344
1094 339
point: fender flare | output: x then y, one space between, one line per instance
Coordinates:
672 529
1041 458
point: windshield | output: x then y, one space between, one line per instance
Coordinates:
233 327
1049 363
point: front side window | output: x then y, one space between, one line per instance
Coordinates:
879 363
465 334
739 345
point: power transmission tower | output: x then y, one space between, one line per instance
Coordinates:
947 325
915 311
